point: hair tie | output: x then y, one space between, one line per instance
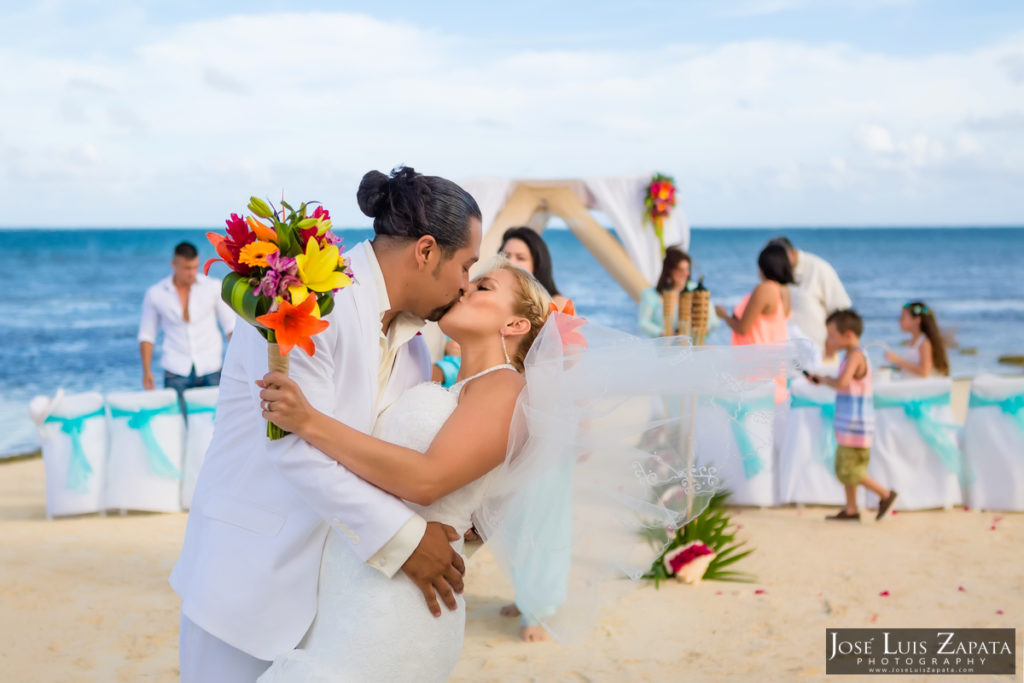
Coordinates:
917 309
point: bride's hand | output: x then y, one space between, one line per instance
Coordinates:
283 403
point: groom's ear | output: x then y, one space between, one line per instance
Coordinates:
426 251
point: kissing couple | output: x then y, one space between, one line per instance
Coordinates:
310 558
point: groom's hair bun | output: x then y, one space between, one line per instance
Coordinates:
408 205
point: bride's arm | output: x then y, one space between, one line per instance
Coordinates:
471 442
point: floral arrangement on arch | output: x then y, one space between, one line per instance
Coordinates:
285 272
658 204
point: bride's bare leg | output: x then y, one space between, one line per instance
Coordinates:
509 610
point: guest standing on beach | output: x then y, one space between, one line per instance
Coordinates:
854 415
816 292
188 307
761 316
925 353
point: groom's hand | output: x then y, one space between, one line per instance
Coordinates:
435 566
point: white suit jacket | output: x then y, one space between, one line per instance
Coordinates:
250 563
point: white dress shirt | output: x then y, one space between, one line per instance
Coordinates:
817 292
390 558
197 342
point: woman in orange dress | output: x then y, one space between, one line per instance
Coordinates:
760 317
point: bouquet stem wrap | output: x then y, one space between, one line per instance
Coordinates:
276 362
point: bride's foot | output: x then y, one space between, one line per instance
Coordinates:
471 536
534 634
509 610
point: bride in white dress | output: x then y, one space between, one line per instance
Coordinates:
435 448
561 471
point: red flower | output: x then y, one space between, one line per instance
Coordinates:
884 594
229 248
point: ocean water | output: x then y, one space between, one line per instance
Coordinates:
72 298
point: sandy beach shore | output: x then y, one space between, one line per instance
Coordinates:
86 599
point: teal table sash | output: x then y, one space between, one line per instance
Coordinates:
140 420
935 433
197 408
828 417
738 412
79 469
1011 406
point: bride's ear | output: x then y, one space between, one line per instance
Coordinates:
516 327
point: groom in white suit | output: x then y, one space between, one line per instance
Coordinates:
249 567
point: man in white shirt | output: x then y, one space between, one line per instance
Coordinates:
189 309
817 292
250 564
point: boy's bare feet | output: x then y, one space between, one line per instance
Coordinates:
509 610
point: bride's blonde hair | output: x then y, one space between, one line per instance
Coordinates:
532 303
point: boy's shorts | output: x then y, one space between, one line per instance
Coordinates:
852 464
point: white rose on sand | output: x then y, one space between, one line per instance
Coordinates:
689 562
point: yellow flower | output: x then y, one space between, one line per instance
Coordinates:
255 253
317 268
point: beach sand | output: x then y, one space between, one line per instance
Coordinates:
86 599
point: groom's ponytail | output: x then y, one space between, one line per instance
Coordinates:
408 205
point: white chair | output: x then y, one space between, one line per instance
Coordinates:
147 434
73 432
994 443
737 441
806 471
915 449
200 407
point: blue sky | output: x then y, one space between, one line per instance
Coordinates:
767 112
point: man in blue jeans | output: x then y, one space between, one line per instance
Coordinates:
188 308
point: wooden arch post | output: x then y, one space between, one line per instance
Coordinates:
533 205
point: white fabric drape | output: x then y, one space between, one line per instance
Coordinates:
622 199
490 195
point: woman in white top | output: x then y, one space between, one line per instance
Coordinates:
925 352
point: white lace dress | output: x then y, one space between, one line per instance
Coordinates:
369 627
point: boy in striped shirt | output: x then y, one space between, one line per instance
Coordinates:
854 414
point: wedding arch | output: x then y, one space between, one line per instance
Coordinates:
634 260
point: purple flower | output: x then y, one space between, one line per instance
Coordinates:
268 286
282 264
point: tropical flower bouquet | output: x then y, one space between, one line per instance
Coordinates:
658 203
285 272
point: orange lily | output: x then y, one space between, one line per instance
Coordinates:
294 325
568 309
263 232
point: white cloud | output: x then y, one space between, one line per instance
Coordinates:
184 124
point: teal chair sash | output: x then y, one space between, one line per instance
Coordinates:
79 469
828 417
935 434
738 412
1011 406
140 419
